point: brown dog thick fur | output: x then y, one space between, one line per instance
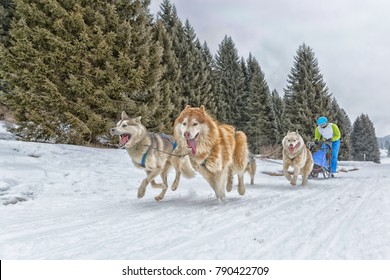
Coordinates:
216 151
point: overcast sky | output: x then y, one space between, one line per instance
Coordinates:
350 38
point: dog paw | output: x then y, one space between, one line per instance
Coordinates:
141 193
293 183
241 190
229 187
158 198
174 187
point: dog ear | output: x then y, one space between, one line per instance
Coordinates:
203 108
124 115
296 131
188 106
138 119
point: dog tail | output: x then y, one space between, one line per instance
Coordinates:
252 171
186 168
241 152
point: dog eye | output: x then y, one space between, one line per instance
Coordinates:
184 123
195 124
124 125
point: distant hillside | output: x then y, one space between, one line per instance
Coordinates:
384 142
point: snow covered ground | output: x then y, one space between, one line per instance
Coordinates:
70 202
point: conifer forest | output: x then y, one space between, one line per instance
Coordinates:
68 68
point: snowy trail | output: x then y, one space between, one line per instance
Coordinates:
80 203
233 225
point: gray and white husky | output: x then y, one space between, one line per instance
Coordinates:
154 152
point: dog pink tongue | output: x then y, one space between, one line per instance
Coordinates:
291 149
192 143
124 139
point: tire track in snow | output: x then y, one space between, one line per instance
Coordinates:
291 232
72 237
233 225
350 218
336 225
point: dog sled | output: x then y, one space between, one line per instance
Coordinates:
321 153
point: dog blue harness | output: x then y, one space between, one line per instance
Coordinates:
174 143
144 156
143 159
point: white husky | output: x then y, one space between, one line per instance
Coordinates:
297 155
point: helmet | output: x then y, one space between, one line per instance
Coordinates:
322 120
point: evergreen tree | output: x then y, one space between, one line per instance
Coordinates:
230 81
6 15
194 71
244 97
145 57
363 140
278 107
188 64
195 87
342 120
210 101
306 96
388 152
245 72
73 65
173 26
168 83
262 129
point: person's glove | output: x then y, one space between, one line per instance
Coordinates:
316 141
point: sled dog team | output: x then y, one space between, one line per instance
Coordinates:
217 151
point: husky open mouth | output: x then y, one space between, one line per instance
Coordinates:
191 144
292 148
124 138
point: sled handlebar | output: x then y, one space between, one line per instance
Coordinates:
313 144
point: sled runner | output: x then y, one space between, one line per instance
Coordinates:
321 153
